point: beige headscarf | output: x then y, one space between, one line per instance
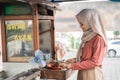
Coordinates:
90 18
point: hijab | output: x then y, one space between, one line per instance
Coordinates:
92 19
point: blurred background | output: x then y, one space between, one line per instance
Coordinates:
68 32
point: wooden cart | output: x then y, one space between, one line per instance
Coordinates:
54 74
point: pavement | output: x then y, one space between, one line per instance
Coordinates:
111 68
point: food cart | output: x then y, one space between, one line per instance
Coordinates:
27 26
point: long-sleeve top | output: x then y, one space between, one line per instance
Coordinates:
92 54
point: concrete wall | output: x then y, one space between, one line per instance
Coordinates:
16 68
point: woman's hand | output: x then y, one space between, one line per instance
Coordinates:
65 65
73 60
68 66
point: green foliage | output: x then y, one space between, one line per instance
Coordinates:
72 42
75 43
116 33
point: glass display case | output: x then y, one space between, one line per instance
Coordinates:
45 37
19 38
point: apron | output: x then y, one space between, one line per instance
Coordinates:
90 74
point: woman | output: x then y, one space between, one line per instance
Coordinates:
92 49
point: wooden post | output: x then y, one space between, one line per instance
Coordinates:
35 26
4 55
53 39
1 62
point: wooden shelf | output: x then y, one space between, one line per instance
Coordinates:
45 17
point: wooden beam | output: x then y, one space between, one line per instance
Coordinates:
45 17
25 17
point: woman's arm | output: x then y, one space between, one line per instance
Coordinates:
97 58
